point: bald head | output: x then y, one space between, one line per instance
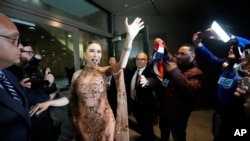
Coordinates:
7 26
141 59
9 39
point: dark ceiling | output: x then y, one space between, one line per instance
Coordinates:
232 13
229 13
170 7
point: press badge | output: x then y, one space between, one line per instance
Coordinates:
165 82
225 81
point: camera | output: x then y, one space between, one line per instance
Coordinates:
36 75
205 34
34 71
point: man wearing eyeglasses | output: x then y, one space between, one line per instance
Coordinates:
144 106
181 83
15 122
38 86
25 56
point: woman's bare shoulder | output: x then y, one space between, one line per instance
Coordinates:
76 74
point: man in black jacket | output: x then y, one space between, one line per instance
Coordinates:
144 105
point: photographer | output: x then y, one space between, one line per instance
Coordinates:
229 113
38 85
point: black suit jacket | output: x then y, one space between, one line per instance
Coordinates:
15 122
146 103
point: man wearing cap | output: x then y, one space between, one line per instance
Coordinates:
229 116
15 122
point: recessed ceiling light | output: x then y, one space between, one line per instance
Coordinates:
31 28
125 5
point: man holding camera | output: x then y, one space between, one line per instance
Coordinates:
37 86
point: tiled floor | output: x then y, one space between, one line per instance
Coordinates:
199 125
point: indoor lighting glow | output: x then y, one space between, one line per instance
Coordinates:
55 24
220 32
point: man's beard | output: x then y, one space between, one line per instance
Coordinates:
23 62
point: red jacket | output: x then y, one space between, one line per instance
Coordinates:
178 98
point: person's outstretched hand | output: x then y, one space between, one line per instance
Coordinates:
133 28
196 40
39 108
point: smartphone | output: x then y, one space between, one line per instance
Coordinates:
204 34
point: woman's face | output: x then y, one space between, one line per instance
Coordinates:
93 54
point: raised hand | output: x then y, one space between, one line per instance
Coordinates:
133 28
143 81
196 40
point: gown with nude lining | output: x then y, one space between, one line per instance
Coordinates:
96 121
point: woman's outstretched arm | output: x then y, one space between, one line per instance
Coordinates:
132 30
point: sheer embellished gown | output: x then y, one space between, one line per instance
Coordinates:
95 120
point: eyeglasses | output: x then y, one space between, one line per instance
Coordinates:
16 41
140 59
182 54
29 52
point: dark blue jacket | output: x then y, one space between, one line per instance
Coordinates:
15 124
225 93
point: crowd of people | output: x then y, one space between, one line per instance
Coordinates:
98 97
229 113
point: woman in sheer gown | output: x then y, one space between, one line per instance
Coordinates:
89 109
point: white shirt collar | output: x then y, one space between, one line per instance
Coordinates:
141 69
